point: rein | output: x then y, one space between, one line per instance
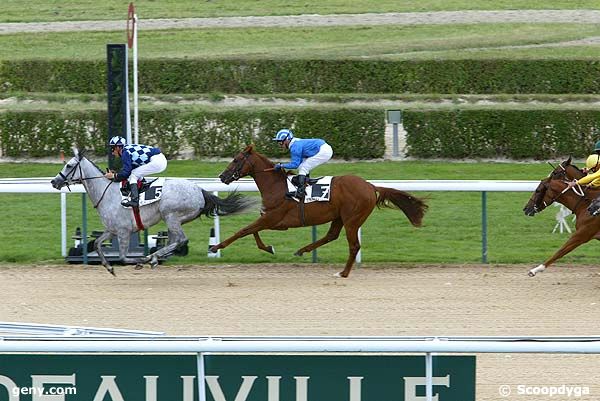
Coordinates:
103 193
81 178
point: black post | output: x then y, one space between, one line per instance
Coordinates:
117 96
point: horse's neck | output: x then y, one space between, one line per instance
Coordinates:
571 200
271 184
94 187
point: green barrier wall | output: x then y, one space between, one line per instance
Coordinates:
233 378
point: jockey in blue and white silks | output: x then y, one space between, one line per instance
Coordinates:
138 162
306 155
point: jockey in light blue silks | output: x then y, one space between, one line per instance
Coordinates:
306 155
138 162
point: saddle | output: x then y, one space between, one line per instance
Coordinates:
317 189
150 191
142 185
309 181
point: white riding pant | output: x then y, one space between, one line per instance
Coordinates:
323 155
157 164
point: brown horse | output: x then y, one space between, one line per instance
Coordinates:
555 188
352 201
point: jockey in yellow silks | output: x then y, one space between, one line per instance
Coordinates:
593 169
592 180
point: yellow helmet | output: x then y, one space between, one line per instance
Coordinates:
592 161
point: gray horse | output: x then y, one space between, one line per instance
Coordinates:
181 201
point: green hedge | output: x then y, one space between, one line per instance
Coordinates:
352 133
512 134
313 76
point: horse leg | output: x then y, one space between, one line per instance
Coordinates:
332 235
258 225
352 224
106 235
177 239
124 239
353 248
578 238
261 245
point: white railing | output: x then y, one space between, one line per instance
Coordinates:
42 185
438 344
253 345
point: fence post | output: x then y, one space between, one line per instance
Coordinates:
63 224
201 376
217 225
428 376
314 239
484 250
84 228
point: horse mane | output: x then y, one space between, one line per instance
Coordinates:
81 153
251 149
579 171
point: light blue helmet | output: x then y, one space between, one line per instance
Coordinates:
117 141
283 134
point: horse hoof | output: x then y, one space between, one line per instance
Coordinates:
298 253
213 249
139 266
531 274
271 250
111 270
337 274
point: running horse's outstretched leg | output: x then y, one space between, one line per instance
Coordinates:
106 235
580 236
332 235
177 239
259 224
261 245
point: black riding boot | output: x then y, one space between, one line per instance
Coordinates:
301 191
594 208
134 198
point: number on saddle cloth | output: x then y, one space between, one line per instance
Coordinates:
150 191
316 191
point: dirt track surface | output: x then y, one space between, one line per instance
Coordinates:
307 300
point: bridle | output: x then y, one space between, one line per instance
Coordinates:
80 180
239 165
578 190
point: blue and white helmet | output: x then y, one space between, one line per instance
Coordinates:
283 134
117 141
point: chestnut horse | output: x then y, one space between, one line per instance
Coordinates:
554 188
352 201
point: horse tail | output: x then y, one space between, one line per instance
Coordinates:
233 203
414 208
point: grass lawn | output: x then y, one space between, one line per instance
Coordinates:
390 42
451 232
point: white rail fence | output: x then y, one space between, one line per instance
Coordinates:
42 185
257 345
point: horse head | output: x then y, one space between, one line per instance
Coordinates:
243 164
552 187
70 173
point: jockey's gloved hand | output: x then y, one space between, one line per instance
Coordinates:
278 166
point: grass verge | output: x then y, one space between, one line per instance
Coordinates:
451 232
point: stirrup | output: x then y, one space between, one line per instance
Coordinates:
129 203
